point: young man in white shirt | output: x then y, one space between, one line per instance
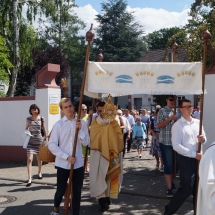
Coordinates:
185 139
61 145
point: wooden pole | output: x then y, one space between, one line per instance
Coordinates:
206 36
89 38
99 59
175 49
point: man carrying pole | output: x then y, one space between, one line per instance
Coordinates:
185 139
61 145
76 138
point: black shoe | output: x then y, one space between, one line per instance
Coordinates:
169 193
108 200
40 177
28 184
173 187
104 208
103 203
166 210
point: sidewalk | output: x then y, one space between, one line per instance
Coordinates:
143 189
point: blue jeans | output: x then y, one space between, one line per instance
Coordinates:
77 182
167 154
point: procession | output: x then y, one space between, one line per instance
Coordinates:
129 138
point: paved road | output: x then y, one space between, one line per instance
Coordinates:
143 190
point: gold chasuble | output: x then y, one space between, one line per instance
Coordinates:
106 140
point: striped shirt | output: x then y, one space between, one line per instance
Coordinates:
165 132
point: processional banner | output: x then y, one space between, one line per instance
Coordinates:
119 78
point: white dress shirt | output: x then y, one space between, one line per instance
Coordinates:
62 140
127 125
184 137
130 119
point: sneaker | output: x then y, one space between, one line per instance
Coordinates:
54 213
173 187
161 169
169 193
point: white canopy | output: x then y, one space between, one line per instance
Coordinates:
119 78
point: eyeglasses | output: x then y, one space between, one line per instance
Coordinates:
171 100
187 107
83 109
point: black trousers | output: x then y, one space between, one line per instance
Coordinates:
77 182
129 143
124 139
188 171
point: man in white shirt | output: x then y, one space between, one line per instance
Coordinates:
185 139
196 114
130 119
61 145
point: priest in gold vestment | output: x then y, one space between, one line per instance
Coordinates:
105 155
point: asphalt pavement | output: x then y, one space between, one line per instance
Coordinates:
143 190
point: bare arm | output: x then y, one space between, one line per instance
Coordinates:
27 125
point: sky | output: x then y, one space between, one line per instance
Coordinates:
151 14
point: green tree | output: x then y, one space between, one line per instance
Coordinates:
5 64
10 13
199 4
118 35
159 39
62 30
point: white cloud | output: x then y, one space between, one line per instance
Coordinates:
87 14
155 19
151 19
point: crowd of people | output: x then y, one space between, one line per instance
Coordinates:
110 134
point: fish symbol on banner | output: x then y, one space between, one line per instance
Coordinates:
165 79
124 79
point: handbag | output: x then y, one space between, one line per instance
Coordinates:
45 154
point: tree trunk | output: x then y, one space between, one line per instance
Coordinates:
16 60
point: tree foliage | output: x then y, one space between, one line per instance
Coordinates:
199 4
40 59
159 39
120 38
13 29
4 62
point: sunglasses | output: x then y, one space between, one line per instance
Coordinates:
171 100
83 109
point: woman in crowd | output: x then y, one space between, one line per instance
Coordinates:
155 147
34 123
139 135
